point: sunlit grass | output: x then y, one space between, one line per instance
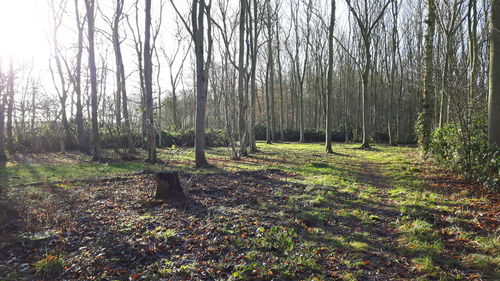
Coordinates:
343 198
22 174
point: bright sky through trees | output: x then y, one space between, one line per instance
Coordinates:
22 29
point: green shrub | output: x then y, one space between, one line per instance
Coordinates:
216 137
468 153
213 138
291 135
119 139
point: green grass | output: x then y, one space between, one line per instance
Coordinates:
161 233
49 267
343 201
24 174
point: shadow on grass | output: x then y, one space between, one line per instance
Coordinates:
119 223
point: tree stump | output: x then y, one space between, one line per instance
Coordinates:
168 187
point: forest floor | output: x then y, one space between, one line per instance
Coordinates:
288 212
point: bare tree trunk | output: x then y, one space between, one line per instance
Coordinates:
280 74
148 83
428 90
300 72
395 47
10 108
364 104
3 102
494 86
80 125
268 111
62 91
271 85
329 95
136 34
253 69
197 31
33 110
241 77
118 61
159 118
366 22
89 4
472 19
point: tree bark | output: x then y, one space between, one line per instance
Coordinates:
271 108
10 108
329 95
3 102
253 69
494 79
118 61
241 79
148 83
364 96
428 88
80 125
89 4
198 18
280 77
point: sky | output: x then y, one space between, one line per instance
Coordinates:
24 26
22 29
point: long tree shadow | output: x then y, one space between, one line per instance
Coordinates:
341 216
116 227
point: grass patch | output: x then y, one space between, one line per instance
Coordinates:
161 233
49 267
277 239
426 265
323 219
23 174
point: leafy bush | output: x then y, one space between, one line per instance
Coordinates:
469 153
46 138
216 138
381 137
186 138
118 140
338 135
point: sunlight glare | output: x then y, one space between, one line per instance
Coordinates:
21 29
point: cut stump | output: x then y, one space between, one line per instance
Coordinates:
168 187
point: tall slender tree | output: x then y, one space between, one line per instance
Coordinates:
200 11
425 121
494 86
280 77
10 108
3 102
62 86
77 83
254 24
329 94
367 16
242 113
271 85
148 82
96 142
